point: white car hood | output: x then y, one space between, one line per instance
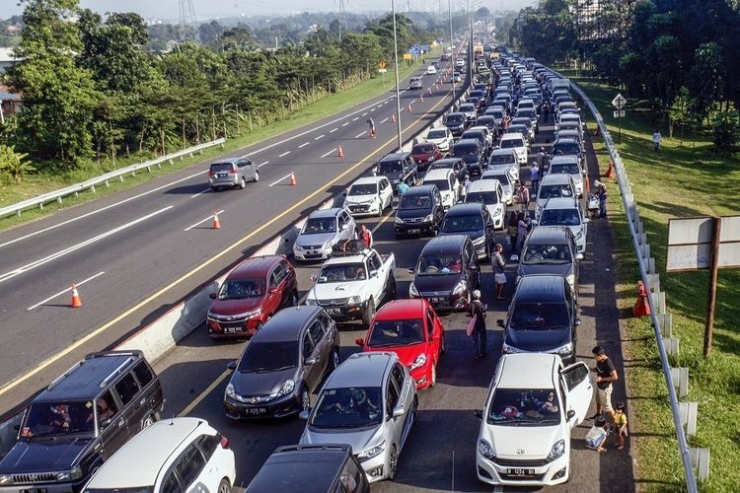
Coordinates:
333 290
361 199
522 442
360 439
315 239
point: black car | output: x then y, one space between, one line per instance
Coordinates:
283 364
420 211
550 250
457 123
480 136
398 167
490 123
470 151
474 220
446 273
542 317
456 164
78 421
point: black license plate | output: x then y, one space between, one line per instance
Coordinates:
35 490
414 231
233 330
256 411
221 175
518 471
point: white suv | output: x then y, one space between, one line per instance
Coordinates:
178 454
566 211
532 405
516 141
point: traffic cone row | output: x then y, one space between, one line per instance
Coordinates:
76 301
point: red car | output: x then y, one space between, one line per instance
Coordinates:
252 293
412 330
424 154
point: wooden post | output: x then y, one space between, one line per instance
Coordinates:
712 296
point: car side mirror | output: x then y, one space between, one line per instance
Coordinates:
274 290
231 365
373 273
314 277
304 415
500 323
410 270
360 341
515 258
569 415
578 321
586 220
212 295
478 413
399 410
579 256
345 227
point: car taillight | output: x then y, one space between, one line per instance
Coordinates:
224 442
211 172
233 171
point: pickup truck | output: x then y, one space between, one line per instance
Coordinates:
351 285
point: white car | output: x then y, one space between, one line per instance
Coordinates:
568 165
369 196
447 183
566 211
415 83
518 142
441 137
368 402
431 70
505 175
533 403
322 230
491 194
177 454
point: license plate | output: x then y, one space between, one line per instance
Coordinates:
221 175
435 300
256 410
333 311
414 231
520 472
232 330
35 490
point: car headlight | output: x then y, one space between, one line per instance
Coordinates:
287 388
297 247
372 452
354 300
479 241
230 392
510 349
399 221
328 244
74 474
420 361
428 219
311 301
6 479
566 349
579 235
413 292
486 449
497 212
557 450
249 314
460 288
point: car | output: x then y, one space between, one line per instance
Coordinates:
573 124
571 130
441 137
533 403
504 174
398 167
179 454
415 83
282 365
460 63
369 196
515 141
542 317
447 183
232 172
80 420
456 78
456 164
311 469
420 211
566 211
252 292
550 250
474 220
568 165
470 151
470 110
553 185
456 122
370 403
489 193
412 330
431 70
528 123
424 154
489 123
505 157
567 146
446 273
322 230
482 135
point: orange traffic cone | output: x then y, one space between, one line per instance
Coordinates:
292 179
76 301
409 108
610 171
393 118
341 152
641 308
216 222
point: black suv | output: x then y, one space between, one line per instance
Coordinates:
474 220
446 273
470 151
457 123
420 211
542 318
80 420
324 468
398 167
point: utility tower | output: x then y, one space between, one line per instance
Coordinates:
187 30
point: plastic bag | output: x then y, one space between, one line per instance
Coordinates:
471 325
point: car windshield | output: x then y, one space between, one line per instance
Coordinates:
58 419
436 134
415 202
455 119
443 185
464 150
239 289
511 143
538 316
560 149
524 407
565 168
467 107
390 167
342 273
389 333
439 265
137 489
459 224
351 407
319 225
484 197
560 217
507 158
263 357
503 178
550 191
545 254
363 189
423 149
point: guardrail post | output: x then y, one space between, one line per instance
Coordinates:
700 460
666 324
59 201
92 188
645 250
680 376
120 177
651 266
654 282
689 412
658 302
172 163
149 169
159 165
671 345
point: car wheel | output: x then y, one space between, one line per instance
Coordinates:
305 399
433 379
391 291
243 183
148 421
393 463
334 360
294 299
224 486
256 176
368 314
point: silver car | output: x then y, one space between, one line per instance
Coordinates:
370 403
232 172
322 230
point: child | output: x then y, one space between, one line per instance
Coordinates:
596 436
620 425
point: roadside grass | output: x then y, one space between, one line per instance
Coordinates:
37 184
684 179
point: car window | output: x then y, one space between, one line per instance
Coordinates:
398 375
189 464
575 375
317 331
171 483
430 322
207 444
391 399
143 374
308 345
351 477
374 262
127 388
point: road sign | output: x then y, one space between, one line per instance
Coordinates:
382 70
619 114
619 101
382 64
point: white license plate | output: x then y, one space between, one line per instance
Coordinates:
256 410
333 311
520 472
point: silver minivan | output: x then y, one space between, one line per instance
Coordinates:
232 172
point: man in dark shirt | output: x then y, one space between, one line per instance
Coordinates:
605 375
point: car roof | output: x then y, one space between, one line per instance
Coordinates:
424 189
254 266
286 324
305 468
445 244
465 209
226 160
395 156
361 370
437 174
456 113
565 140
561 203
540 288
555 179
447 160
527 370
149 450
564 159
508 150
402 309
548 234
333 212
471 142
512 135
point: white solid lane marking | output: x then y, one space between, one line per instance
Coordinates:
359 135
319 137
65 291
303 145
36 263
333 130
204 220
280 179
330 152
284 154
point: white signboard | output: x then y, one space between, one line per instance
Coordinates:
619 114
382 70
618 102
690 243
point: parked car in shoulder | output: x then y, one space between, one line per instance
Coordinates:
397 167
369 196
412 330
184 454
473 220
252 292
283 364
323 229
424 154
420 211
370 403
441 137
232 172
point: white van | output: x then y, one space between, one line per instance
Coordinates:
517 142
568 165
503 173
491 194
566 211
447 183
553 185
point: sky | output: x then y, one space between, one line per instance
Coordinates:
208 9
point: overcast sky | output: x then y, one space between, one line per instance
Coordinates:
207 9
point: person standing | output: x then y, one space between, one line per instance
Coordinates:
522 228
499 273
620 425
522 197
512 225
606 374
371 123
478 310
656 141
401 188
602 196
534 172
366 236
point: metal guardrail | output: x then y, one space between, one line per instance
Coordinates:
630 206
56 196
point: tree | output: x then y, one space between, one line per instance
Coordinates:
726 132
13 164
707 78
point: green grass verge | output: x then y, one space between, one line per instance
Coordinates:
686 178
37 184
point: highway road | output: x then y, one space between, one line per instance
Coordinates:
136 253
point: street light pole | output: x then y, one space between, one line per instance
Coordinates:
398 83
452 47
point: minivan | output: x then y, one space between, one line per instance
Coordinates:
420 211
470 151
505 175
568 165
517 142
447 183
398 167
505 157
474 220
490 193
232 172
566 211
553 185
457 123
